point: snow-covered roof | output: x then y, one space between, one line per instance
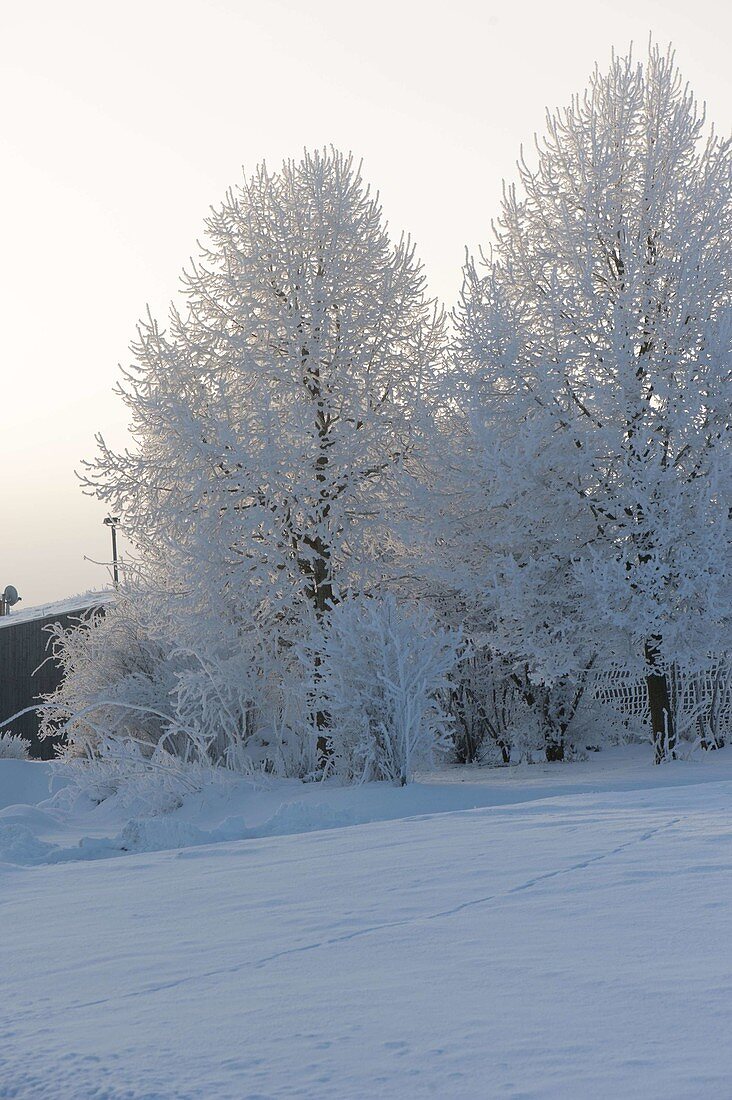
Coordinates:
69 606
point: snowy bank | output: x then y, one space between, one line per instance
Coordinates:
555 945
44 819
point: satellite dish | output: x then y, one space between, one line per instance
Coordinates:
10 595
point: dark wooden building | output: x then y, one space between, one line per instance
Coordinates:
25 673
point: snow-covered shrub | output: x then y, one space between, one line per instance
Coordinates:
13 747
217 681
163 677
701 702
382 684
491 717
502 715
240 701
554 705
116 683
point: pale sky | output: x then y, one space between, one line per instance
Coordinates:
123 123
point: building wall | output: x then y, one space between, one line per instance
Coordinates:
24 646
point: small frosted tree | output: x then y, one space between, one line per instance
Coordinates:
270 418
593 422
384 683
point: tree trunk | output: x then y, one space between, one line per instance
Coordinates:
553 746
553 727
659 705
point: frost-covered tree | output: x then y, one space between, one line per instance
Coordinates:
270 414
269 420
592 423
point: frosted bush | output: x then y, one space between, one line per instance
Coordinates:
165 680
491 717
116 681
382 689
13 747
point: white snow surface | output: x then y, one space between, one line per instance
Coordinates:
546 931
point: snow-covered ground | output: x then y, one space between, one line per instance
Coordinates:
558 931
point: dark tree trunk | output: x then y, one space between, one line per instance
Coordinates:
553 746
322 596
554 728
659 705
318 567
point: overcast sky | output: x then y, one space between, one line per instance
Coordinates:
123 123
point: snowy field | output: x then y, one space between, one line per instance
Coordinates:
555 931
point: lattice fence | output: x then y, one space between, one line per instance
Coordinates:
701 699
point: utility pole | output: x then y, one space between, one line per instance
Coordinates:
113 523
